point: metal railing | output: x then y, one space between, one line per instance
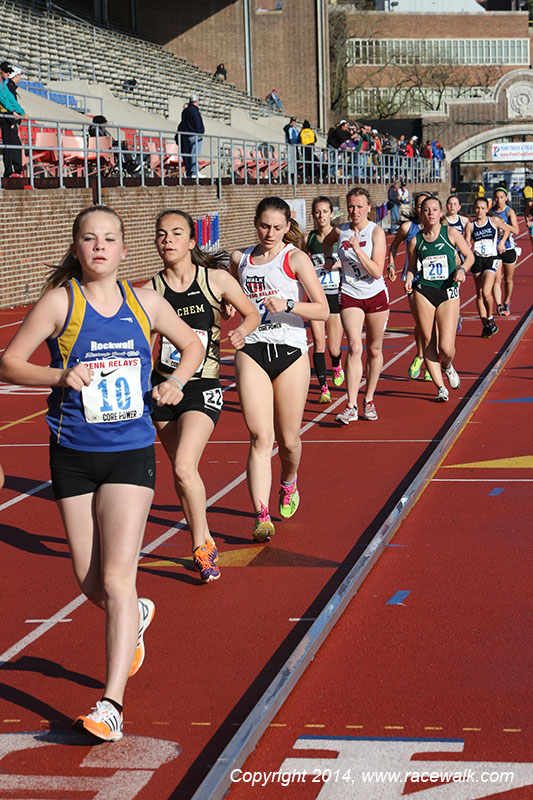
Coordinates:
125 156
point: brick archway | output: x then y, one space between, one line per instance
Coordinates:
467 123
521 129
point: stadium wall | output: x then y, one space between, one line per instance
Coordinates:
37 225
284 44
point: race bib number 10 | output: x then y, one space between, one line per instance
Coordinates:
115 392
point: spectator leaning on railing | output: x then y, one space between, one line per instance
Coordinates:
9 126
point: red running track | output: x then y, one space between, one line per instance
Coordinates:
212 650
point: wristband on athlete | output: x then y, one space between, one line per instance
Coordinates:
172 378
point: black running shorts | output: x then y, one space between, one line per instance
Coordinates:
483 263
201 394
436 295
76 472
508 256
273 358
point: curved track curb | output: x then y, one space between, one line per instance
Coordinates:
218 780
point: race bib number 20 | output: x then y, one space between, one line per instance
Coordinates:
435 268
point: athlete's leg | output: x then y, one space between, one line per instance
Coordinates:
121 510
184 441
81 527
318 330
375 329
256 396
335 331
447 314
480 299
497 288
352 322
424 313
508 273
416 364
290 392
487 279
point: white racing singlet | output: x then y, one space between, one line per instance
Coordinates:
273 279
356 282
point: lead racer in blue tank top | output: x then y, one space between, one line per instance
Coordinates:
405 233
272 370
101 446
509 254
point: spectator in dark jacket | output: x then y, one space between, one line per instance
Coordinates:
9 80
393 204
220 72
189 137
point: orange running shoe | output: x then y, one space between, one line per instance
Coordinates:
146 615
104 722
205 563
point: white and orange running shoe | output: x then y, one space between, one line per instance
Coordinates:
146 615
104 722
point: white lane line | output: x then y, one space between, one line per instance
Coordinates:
24 495
67 610
10 324
43 628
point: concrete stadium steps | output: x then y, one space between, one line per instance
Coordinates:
53 47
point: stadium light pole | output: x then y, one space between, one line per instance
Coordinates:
247 47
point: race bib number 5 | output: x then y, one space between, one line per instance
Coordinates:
115 392
435 268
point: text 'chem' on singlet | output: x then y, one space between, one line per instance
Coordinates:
485 238
273 279
437 260
200 309
329 279
356 282
113 412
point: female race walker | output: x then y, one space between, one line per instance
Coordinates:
454 219
101 436
436 292
196 284
508 257
272 369
329 277
364 299
405 233
487 252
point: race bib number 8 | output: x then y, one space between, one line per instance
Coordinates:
435 268
115 392
171 357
